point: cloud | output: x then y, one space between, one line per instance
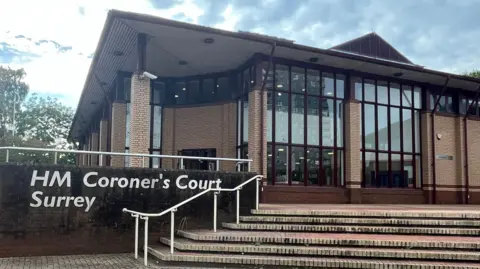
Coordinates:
55 41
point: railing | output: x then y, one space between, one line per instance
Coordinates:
143 156
173 209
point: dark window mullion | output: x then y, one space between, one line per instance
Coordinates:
289 151
321 175
274 115
335 152
401 136
390 179
363 135
305 128
377 181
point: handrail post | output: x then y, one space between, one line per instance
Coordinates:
249 166
145 243
55 157
215 196
181 163
7 156
218 165
238 206
257 192
100 161
172 230
136 235
143 162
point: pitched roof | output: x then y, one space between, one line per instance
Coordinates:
372 45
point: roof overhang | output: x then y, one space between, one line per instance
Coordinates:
169 42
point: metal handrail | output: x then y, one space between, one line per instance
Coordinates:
101 153
173 209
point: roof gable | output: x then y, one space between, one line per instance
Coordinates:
372 45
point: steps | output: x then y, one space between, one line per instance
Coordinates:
322 238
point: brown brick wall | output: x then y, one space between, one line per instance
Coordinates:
119 113
353 166
208 126
255 131
102 140
140 120
300 194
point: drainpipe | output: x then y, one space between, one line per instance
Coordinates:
465 145
262 90
432 116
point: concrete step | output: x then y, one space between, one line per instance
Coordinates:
331 239
352 229
363 221
162 253
182 244
371 212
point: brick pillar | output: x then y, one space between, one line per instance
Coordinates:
119 113
459 159
94 147
255 131
102 141
427 158
140 120
353 165
229 136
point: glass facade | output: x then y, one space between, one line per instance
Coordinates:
390 133
305 119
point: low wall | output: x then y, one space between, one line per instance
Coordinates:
55 210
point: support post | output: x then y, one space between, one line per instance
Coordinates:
136 236
238 206
7 156
172 230
215 194
218 165
181 163
257 192
55 157
145 243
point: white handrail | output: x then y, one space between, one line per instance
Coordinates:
101 153
173 209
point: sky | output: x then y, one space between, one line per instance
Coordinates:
54 40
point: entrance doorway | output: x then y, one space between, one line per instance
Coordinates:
199 164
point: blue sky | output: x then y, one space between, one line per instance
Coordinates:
54 41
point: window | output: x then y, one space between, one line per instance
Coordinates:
193 92
390 133
445 104
158 95
305 127
466 105
180 93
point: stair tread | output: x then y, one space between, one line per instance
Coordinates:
183 241
348 225
336 236
162 252
360 220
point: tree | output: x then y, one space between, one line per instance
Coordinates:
13 90
39 121
475 73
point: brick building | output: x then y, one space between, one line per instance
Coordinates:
356 123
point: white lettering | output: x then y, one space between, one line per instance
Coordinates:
166 183
103 182
135 180
34 197
60 199
145 183
78 202
90 201
49 201
85 180
123 182
112 181
67 203
193 184
178 182
155 180
35 178
56 176
219 181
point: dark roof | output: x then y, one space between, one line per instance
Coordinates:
372 45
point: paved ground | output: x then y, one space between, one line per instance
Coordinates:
99 261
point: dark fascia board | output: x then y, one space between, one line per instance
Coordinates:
116 14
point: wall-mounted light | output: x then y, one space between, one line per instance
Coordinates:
313 59
398 74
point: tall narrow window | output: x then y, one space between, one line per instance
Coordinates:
390 133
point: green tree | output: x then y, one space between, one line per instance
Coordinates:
475 73
41 122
